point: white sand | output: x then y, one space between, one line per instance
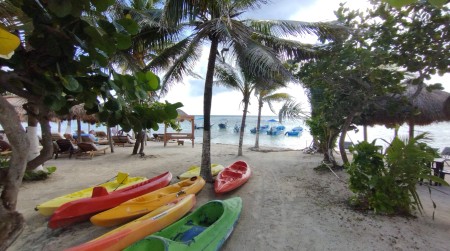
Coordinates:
286 204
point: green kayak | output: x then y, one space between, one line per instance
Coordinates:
206 228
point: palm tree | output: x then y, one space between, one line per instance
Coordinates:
256 44
268 96
237 79
149 41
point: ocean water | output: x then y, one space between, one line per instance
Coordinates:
439 133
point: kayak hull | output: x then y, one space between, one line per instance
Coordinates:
82 209
207 228
122 181
146 203
195 171
122 237
232 177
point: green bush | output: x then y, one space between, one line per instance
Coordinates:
38 175
386 183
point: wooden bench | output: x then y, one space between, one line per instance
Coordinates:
178 137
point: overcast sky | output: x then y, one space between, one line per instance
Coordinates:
227 102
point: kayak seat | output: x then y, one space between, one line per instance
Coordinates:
232 174
190 234
99 191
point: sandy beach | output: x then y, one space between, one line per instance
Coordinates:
287 205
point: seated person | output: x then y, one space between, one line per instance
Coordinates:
92 135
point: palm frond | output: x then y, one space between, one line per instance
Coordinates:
285 28
228 76
291 110
276 97
287 49
166 57
261 61
183 64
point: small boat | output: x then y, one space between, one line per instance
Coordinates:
201 126
274 131
223 124
207 228
124 236
122 180
82 209
136 207
232 177
296 131
195 171
262 128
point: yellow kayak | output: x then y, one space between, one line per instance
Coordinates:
122 180
195 171
124 236
146 203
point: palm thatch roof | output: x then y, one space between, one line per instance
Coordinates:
182 116
78 112
426 108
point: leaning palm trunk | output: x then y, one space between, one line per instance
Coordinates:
205 171
11 178
242 129
258 124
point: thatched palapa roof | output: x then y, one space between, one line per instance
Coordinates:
426 108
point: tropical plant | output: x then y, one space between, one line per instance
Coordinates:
256 45
268 95
63 61
236 78
386 183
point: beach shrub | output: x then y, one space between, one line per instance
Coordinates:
39 175
386 183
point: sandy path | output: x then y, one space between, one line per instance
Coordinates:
287 205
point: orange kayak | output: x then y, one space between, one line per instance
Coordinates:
232 177
146 203
124 236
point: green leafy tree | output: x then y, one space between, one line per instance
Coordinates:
255 43
63 61
348 75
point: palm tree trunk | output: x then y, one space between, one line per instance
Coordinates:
11 177
258 123
205 170
344 129
244 117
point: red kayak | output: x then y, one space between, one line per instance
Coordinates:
232 177
82 209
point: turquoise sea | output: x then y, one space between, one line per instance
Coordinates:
438 132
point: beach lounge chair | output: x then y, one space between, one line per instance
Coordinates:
64 146
4 146
123 140
56 136
70 137
101 135
90 149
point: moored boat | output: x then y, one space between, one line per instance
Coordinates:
122 180
207 228
146 203
123 236
195 171
82 209
232 177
